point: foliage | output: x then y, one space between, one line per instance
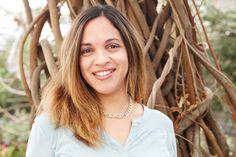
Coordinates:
12 151
221 28
222 31
14 125
12 137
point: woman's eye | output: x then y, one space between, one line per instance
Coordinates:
86 50
113 46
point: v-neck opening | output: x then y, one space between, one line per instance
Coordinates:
111 140
134 122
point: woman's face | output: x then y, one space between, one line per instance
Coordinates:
103 57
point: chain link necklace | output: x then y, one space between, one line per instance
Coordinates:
120 115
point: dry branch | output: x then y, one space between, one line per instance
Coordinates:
28 11
140 18
206 36
163 44
21 50
34 49
220 138
10 89
49 58
211 138
54 18
219 76
166 70
188 68
35 84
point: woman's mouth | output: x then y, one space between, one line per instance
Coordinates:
102 75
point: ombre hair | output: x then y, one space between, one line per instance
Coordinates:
70 101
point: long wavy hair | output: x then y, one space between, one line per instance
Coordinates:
70 101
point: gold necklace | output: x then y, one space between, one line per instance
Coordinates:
120 115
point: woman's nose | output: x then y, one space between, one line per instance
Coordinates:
102 57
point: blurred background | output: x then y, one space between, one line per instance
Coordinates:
219 18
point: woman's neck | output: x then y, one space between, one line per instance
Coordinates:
114 103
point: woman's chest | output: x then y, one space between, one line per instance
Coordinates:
150 144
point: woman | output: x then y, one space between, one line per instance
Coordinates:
92 107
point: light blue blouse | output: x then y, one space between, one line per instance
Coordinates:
151 135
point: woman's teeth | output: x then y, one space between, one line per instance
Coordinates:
103 73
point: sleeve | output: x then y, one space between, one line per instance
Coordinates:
166 124
40 142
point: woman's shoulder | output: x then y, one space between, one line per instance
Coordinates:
158 120
43 137
44 123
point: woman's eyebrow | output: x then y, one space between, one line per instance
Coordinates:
85 44
112 39
108 40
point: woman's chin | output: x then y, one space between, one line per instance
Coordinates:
106 92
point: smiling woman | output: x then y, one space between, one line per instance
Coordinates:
93 106
103 60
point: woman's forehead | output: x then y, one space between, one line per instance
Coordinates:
101 29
